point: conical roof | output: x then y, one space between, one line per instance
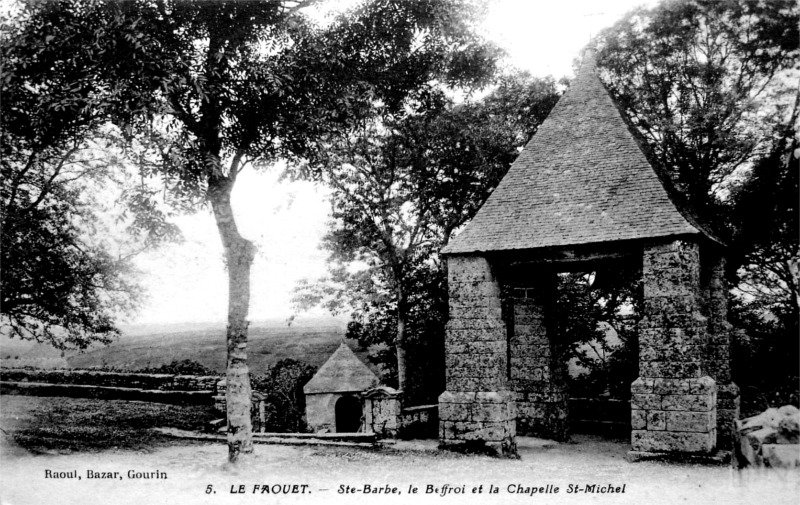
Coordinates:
343 372
583 178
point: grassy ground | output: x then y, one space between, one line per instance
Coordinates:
64 425
187 470
309 340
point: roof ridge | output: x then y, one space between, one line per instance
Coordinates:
343 371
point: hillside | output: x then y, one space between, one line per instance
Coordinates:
309 340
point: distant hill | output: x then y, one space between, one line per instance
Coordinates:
311 340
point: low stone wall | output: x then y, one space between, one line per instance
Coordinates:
156 382
106 393
420 422
385 416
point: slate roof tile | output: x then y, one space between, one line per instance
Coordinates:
343 372
583 178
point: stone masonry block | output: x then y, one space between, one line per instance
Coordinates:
638 419
689 403
462 336
454 411
671 369
487 432
467 263
458 311
478 347
490 412
475 383
674 386
533 374
667 441
531 355
477 363
646 402
488 396
525 332
642 385
656 420
480 302
473 290
701 422
704 385
469 365
451 396
477 325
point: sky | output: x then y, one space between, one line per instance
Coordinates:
286 220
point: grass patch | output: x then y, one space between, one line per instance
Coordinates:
49 424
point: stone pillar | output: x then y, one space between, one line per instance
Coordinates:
477 409
673 402
537 377
718 359
382 411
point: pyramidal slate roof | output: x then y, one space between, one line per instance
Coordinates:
583 178
343 372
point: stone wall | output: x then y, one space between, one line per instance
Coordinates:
537 378
421 421
385 416
157 382
321 411
673 402
477 407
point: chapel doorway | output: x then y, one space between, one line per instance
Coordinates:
348 414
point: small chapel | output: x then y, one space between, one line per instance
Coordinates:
582 194
333 395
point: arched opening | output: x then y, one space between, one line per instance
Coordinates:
348 414
573 345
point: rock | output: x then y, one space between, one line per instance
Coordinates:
771 438
781 455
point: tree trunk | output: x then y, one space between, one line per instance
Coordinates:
239 254
400 340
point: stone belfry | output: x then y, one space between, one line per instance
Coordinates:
584 194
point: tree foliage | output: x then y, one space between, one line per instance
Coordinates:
401 185
712 87
597 314
285 401
207 88
705 83
61 282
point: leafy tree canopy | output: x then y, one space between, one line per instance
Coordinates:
207 88
65 278
402 184
712 87
705 83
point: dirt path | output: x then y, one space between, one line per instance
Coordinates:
322 471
